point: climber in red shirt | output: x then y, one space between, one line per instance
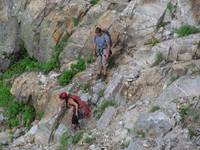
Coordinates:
80 108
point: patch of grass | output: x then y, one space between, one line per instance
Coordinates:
193 69
54 61
77 137
172 79
158 58
153 41
75 21
188 112
186 30
125 144
70 139
67 76
65 141
17 113
101 93
140 134
39 115
171 7
94 2
102 106
85 87
89 58
88 138
192 133
154 109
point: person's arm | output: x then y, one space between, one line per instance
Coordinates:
73 103
108 46
94 47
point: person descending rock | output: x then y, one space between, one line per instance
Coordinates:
102 50
80 108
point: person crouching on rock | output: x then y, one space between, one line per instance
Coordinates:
80 108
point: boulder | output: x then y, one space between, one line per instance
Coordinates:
106 118
33 88
153 124
5 138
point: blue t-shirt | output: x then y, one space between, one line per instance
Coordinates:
101 41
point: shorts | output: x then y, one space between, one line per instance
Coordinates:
101 61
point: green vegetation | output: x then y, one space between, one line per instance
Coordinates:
171 7
158 58
17 113
94 2
101 93
188 112
54 61
88 138
67 76
102 106
140 134
85 87
193 69
153 41
72 139
154 109
89 58
29 64
39 115
192 133
172 79
75 21
125 144
186 30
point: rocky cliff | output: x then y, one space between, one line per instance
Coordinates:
150 99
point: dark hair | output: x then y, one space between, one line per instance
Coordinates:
98 30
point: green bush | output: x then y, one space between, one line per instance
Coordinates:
75 21
186 30
65 141
77 137
101 93
191 133
140 134
89 58
88 138
94 2
154 108
67 76
153 41
85 87
102 106
69 139
158 58
188 112
17 113
172 79
171 7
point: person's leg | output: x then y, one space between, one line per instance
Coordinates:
105 65
99 67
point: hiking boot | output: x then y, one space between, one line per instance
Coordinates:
98 76
103 77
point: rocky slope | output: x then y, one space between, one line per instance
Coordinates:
152 88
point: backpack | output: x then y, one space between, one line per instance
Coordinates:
110 39
84 108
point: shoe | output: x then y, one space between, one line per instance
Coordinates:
103 77
98 76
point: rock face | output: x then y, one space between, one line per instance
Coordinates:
153 74
33 88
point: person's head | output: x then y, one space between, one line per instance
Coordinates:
98 31
63 97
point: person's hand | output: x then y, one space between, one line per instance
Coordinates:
77 113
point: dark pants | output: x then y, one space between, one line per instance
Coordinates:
75 119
